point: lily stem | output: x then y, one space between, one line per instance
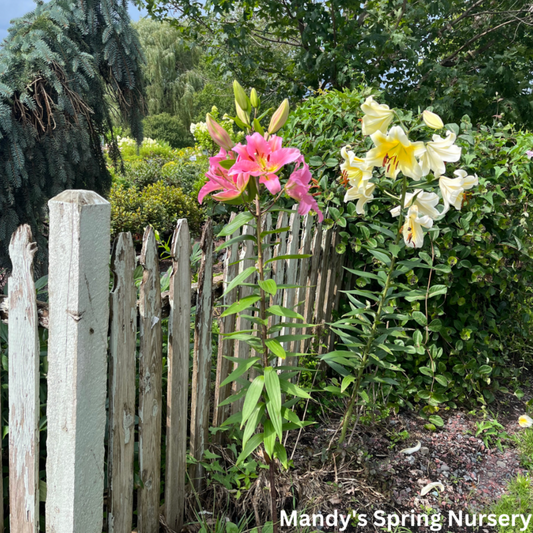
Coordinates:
375 324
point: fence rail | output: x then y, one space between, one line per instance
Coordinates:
102 341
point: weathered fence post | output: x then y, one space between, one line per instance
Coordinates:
150 387
122 372
23 387
202 358
78 286
179 324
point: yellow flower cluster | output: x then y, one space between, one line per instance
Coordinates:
394 153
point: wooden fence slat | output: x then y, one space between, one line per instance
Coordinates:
331 281
179 324
23 387
323 278
278 267
242 349
226 346
202 358
338 288
122 373
303 273
312 283
293 246
78 286
150 387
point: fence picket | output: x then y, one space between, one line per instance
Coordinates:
78 286
303 272
293 246
323 279
24 354
309 310
150 387
278 267
331 281
122 372
179 324
202 358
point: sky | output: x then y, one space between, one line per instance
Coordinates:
10 9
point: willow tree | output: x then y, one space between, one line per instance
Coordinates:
61 66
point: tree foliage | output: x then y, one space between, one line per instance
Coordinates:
471 57
60 66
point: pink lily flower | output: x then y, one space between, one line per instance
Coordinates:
220 179
298 188
263 158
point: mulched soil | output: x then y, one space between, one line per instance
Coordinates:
371 474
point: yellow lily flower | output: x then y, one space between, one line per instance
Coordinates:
362 194
452 189
438 151
355 168
377 116
395 152
432 120
425 201
525 421
413 234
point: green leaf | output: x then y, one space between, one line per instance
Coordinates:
241 305
288 256
437 420
252 397
442 380
229 242
269 286
346 382
227 164
291 388
270 437
240 220
436 290
251 445
278 310
258 127
420 318
276 348
272 231
485 369
281 454
237 280
253 422
274 398
240 370
384 258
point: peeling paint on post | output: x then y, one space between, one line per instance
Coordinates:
23 386
78 286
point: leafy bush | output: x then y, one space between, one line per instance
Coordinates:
466 307
169 129
149 148
159 205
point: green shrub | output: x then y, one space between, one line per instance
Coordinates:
466 343
149 148
159 205
169 129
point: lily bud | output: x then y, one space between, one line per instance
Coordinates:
242 114
218 133
241 99
279 117
256 102
432 120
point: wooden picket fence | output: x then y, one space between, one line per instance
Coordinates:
101 343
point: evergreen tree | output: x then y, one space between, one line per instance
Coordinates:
60 67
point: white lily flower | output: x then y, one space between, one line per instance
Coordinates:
395 152
356 169
432 120
377 116
362 194
452 189
525 421
413 234
438 151
425 201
